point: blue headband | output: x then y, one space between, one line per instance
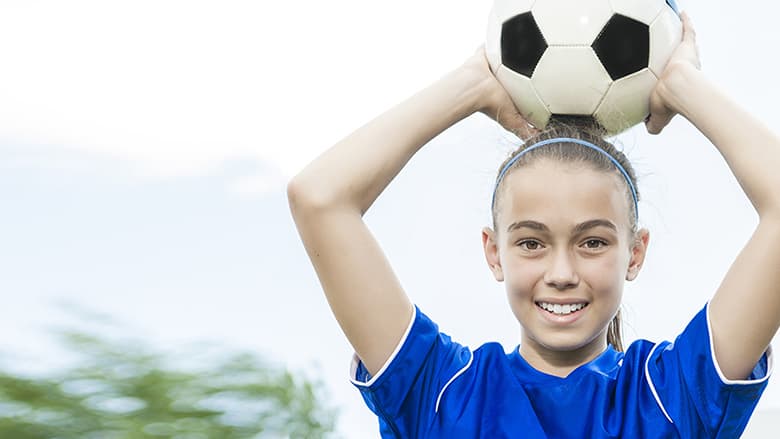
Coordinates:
569 140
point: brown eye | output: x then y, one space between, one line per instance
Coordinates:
530 245
595 244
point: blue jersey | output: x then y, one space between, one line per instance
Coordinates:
432 387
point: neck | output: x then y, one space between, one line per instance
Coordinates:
560 362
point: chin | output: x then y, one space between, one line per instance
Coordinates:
567 342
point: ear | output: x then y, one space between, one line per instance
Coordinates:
638 252
491 253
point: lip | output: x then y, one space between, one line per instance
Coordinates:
562 301
565 319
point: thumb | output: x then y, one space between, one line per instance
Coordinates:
689 33
513 121
655 123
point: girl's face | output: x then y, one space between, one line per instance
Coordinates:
564 248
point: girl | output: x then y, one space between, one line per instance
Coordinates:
564 239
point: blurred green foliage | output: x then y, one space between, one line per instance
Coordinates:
125 390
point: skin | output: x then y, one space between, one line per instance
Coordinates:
329 197
561 264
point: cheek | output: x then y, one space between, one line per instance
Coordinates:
521 276
607 273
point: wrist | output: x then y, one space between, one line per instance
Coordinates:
474 87
677 86
466 86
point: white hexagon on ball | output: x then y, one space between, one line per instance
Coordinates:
553 80
665 35
620 107
641 10
522 92
579 25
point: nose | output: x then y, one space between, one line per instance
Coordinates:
561 273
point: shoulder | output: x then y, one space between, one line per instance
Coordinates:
684 380
692 353
481 381
427 370
427 357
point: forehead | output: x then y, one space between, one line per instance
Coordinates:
564 194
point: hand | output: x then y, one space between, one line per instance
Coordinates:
493 100
662 105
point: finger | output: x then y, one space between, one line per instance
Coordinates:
689 33
656 122
689 37
525 130
520 126
514 122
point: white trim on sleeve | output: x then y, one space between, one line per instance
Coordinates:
459 373
356 359
769 360
652 386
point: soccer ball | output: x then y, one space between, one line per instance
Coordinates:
597 59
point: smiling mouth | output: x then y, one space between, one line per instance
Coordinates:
561 310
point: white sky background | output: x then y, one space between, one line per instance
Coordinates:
144 148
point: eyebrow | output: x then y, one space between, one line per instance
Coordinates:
579 228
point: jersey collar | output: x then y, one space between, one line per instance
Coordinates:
606 364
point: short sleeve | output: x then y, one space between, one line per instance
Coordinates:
404 392
693 394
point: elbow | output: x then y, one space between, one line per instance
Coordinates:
306 197
770 215
297 195
294 192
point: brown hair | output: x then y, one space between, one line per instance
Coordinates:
568 152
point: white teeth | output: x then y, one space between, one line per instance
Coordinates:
559 309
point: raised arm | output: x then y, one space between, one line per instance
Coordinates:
329 197
745 311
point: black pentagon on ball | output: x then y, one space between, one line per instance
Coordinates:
623 46
522 44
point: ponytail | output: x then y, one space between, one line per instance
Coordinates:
615 333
